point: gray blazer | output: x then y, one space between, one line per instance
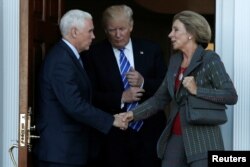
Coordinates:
213 84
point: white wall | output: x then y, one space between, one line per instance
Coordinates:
9 83
1 79
232 43
224 46
242 76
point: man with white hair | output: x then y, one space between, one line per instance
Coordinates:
66 118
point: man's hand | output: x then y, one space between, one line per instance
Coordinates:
119 123
127 116
134 78
132 94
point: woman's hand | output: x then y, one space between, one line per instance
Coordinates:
189 83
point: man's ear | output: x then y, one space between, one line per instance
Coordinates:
73 32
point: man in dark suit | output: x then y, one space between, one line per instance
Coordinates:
66 117
147 72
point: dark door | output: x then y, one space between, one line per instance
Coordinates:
38 32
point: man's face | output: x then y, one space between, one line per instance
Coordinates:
84 36
118 32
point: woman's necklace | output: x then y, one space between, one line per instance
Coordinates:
182 69
180 76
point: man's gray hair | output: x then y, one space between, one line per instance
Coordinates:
73 18
117 12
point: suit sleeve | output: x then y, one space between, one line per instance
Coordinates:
222 90
68 89
106 96
154 104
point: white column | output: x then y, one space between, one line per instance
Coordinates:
224 45
242 75
232 43
10 78
1 79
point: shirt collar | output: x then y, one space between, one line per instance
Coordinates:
128 46
72 48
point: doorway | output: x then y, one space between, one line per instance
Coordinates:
39 31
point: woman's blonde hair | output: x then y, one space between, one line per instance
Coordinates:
196 25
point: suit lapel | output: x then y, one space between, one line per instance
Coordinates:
77 64
113 70
139 58
72 56
174 65
195 62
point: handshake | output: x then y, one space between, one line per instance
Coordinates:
122 120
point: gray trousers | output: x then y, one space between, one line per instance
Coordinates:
175 154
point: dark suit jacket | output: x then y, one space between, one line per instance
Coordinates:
103 70
66 116
213 84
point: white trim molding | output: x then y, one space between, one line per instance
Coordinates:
10 78
232 44
241 74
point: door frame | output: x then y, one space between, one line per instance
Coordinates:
25 37
23 84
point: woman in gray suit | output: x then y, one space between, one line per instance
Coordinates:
181 143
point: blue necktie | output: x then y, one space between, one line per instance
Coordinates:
125 67
80 61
